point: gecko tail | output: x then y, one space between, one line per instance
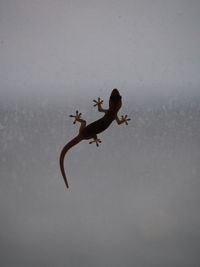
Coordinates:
72 143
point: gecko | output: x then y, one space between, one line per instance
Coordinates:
90 131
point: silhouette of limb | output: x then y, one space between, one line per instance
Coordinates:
124 119
95 140
99 103
78 118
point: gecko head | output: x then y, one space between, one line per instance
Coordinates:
115 101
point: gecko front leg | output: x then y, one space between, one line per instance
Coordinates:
99 103
124 119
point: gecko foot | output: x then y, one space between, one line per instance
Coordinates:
98 102
97 141
125 119
77 116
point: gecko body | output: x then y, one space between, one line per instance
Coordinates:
90 131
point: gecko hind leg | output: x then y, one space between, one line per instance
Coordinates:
95 140
78 118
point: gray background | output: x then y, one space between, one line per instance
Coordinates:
134 201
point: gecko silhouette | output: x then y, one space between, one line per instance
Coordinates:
91 130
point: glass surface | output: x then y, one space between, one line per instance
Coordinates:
134 200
